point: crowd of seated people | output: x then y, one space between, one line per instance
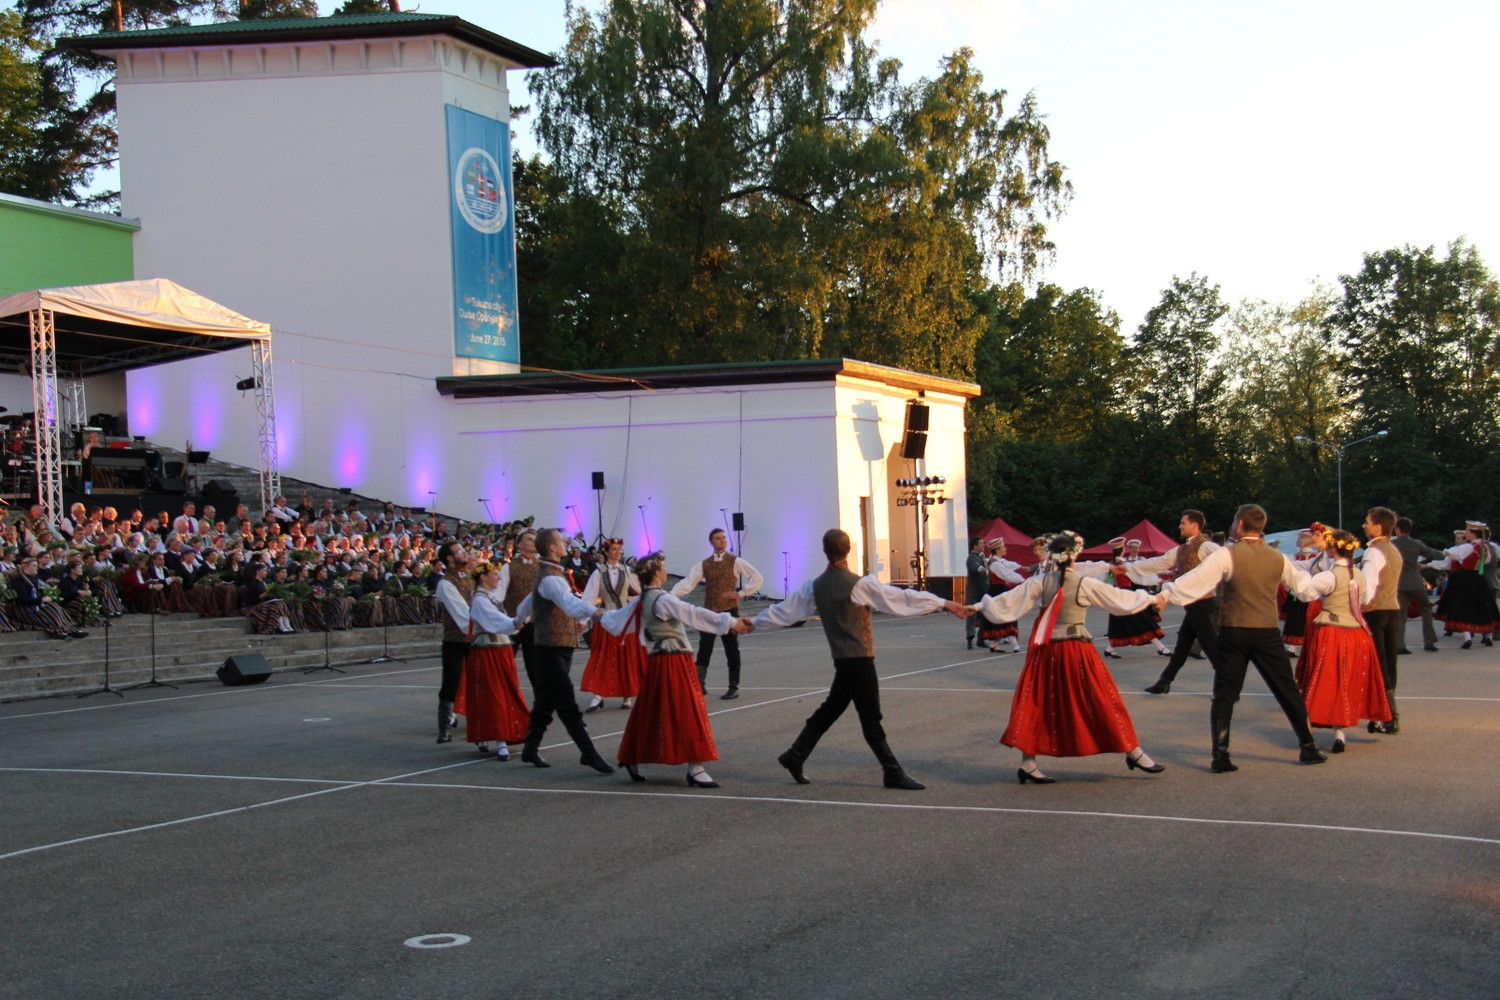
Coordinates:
316 566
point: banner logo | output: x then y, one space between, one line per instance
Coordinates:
479 191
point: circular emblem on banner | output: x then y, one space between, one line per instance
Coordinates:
479 190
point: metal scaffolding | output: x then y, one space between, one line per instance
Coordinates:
47 434
265 415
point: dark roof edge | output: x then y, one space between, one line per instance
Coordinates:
318 30
550 383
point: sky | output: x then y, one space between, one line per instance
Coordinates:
1267 146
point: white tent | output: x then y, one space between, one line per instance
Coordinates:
70 333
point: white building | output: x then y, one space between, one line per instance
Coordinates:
300 172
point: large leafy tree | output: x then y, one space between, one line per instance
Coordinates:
776 192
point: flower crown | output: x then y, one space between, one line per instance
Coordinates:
1319 528
1344 546
1067 555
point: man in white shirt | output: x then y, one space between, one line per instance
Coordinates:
726 579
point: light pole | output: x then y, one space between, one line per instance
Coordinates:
1338 450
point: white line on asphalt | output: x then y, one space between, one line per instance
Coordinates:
1000 810
171 774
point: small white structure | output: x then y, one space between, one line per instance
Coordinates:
303 171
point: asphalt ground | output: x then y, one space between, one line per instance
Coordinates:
289 839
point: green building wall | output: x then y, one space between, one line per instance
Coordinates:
46 246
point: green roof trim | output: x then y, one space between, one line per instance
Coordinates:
73 214
549 383
348 27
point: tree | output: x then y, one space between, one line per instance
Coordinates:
778 193
1420 334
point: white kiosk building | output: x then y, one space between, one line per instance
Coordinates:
347 180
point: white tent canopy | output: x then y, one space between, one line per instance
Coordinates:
74 332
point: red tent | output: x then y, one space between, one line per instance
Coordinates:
998 528
1154 542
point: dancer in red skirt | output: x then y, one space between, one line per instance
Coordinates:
1144 626
1468 603
1004 574
669 723
1342 681
495 709
1066 704
616 663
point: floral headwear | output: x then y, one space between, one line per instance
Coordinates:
1322 530
1060 554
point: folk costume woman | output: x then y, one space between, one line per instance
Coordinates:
616 663
669 723
1003 575
1066 704
1142 627
1339 671
1468 604
495 710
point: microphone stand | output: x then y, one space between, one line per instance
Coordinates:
105 686
385 640
153 682
327 662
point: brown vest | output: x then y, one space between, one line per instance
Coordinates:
553 626
1250 592
718 576
522 582
1338 610
1187 554
451 631
1384 598
845 624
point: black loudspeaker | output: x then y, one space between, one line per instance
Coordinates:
916 417
739 521
173 470
598 480
219 488
914 444
246 668
172 487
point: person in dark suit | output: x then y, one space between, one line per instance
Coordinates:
1412 589
978 581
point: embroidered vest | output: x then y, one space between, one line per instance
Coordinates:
1384 598
1069 624
1337 609
522 582
1187 554
614 585
1250 592
451 631
664 636
481 637
552 625
718 576
845 624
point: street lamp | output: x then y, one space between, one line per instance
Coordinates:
1338 450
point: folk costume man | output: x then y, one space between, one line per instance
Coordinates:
726 579
1198 623
1250 572
843 601
453 592
517 578
975 586
1383 611
554 611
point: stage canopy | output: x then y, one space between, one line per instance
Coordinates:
1153 540
122 325
68 334
999 528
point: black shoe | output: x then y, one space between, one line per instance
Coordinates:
533 758
1391 728
970 645
634 772
730 695
1023 776
1403 651
594 705
598 763
445 738
1310 754
78 634
1432 648
1486 641
895 777
1222 765
701 780
1113 655
1164 652
1160 687
792 761
1132 764
1467 644
1338 747
1375 728
1196 656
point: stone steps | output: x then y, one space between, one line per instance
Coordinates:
187 648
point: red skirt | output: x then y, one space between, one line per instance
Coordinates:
1066 704
495 708
616 665
669 723
1343 682
990 631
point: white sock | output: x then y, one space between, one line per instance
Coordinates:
484 748
1158 644
1338 736
1141 757
502 751
1028 764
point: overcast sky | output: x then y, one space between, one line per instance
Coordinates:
1265 145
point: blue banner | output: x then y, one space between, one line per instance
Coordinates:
484 238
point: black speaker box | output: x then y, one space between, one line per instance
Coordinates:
172 487
598 480
739 521
246 668
914 444
219 488
916 417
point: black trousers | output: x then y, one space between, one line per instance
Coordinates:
1386 628
548 669
1197 626
1237 649
731 654
453 668
854 681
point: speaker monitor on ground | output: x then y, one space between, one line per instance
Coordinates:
244 668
